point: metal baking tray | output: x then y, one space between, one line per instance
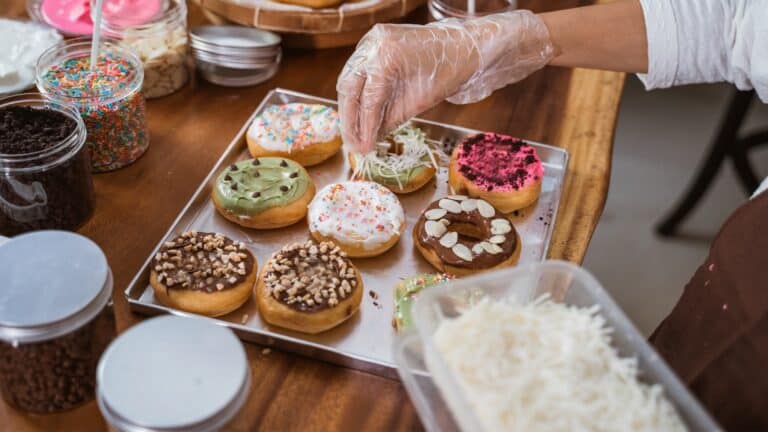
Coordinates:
365 341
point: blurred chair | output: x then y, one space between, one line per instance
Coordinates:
728 144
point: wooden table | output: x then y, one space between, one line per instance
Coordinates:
573 109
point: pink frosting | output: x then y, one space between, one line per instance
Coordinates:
496 162
73 17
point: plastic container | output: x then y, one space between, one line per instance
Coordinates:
110 102
173 374
162 44
50 188
462 9
564 282
235 56
55 320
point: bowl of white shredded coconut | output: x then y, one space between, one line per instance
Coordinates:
537 348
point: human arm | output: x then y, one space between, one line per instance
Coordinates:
399 71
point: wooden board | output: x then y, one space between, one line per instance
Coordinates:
573 109
317 21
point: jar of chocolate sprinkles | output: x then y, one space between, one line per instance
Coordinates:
55 320
45 174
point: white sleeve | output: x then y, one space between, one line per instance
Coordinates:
701 41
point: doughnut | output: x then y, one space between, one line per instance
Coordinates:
203 273
461 236
403 163
268 192
308 287
306 133
405 293
500 169
364 218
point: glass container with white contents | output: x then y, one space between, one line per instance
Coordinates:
161 43
55 320
173 374
441 400
464 9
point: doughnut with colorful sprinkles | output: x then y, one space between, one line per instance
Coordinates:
306 133
364 218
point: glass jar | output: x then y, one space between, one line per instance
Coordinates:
45 185
164 361
109 99
162 44
55 320
463 9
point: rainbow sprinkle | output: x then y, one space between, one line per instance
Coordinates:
295 126
110 103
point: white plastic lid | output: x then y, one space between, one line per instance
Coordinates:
173 373
53 283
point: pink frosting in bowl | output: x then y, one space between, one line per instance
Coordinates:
496 162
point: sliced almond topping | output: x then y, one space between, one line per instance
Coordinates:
449 205
457 197
449 239
462 252
500 226
469 205
477 249
434 229
486 210
435 214
491 248
497 239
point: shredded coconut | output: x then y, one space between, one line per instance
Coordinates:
416 153
545 366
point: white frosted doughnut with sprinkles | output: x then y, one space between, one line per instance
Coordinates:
364 218
306 133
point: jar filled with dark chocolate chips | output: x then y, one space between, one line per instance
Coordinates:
55 320
45 174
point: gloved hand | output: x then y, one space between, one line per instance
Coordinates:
401 70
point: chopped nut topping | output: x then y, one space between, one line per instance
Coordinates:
202 261
310 277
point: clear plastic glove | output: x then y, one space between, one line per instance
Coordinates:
401 70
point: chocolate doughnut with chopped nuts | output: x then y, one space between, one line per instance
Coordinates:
308 287
203 273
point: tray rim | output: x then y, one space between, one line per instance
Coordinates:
300 346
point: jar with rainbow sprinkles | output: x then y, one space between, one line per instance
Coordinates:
108 98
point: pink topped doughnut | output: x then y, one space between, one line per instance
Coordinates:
499 163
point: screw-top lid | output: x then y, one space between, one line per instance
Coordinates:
54 282
173 373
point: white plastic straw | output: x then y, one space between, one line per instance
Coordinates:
470 7
97 35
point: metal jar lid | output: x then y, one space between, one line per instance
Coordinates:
173 373
234 37
53 283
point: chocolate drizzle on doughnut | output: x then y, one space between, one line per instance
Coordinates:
489 239
495 161
310 277
205 262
